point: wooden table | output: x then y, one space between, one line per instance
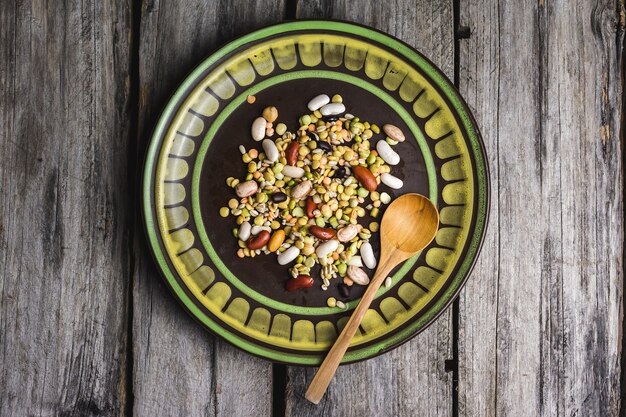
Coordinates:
88 328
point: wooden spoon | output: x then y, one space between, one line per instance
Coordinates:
409 225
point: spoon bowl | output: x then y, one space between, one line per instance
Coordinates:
408 226
410 223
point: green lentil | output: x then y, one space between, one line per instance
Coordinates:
319 221
337 99
249 177
331 302
235 232
297 212
342 268
385 198
224 212
275 225
371 158
373 227
374 212
305 120
375 128
391 141
281 128
362 192
299 244
309 262
354 202
258 220
303 151
333 222
233 203
375 195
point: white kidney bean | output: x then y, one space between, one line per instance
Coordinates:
258 128
318 101
391 181
367 255
293 172
347 233
288 256
326 248
271 151
357 275
389 155
301 190
255 230
394 133
244 231
332 108
246 189
355 261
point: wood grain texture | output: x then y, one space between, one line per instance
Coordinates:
179 368
410 380
540 319
64 220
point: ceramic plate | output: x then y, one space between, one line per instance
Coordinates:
195 147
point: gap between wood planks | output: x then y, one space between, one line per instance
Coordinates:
136 149
622 409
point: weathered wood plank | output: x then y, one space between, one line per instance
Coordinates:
64 262
180 369
410 380
540 320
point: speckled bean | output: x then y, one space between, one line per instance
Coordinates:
394 132
301 190
347 233
246 189
357 275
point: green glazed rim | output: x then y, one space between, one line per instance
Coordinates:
473 140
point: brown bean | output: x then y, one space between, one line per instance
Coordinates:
291 154
365 177
310 207
323 233
258 241
302 281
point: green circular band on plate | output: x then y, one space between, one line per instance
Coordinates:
217 124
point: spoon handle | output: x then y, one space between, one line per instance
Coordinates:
327 370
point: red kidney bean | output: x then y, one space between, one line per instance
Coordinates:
365 177
291 154
310 207
323 233
302 281
258 241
